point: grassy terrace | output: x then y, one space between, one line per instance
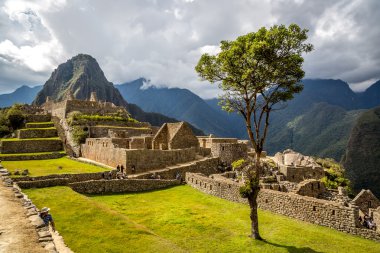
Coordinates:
32 139
25 154
48 167
37 128
181 219
123 127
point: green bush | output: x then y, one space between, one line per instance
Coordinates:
4 130
334 174
79 135
237 164
15 116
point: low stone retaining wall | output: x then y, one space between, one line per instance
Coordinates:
38 117
309 209
43 183
119 186
32 156
31 146
39 125
30 133
71 178
206 166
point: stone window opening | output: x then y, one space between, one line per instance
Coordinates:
229 186
218 184
266 200
205 185
192 180
196 181
210 187
333 212
369 204
222 148
314 208
319 185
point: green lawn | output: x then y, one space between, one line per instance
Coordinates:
48 167
181 219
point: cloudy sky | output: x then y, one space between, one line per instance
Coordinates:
162 40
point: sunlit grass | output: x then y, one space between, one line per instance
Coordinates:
62 165
181 219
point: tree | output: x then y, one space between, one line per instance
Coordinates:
15 116
257 73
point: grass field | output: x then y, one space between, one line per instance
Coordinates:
48 167
181 219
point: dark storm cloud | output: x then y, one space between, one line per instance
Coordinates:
162 40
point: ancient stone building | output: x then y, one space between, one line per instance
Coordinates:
366 200
174 136
297 167
70 104
227 149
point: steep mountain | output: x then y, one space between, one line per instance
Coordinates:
371 96
23 95
362 156
178 103
82 75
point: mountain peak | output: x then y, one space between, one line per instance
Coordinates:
80 75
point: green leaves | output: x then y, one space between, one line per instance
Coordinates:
256 71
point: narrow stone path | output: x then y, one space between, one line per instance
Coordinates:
17 235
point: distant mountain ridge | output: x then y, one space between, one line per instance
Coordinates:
23 94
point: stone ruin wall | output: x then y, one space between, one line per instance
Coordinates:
122 185
103 131
147 159
376 219
30 146
38 117
300 173
206 166
207 141
317 211
311 187
366 200
103 151
184 138
30 133
229 152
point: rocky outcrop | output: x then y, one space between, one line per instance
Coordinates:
362 156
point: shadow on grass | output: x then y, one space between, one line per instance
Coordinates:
292 249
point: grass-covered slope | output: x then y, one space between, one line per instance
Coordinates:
62 165
181 219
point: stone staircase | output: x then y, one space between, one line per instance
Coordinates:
38 140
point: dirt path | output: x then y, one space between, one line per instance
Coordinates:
17 235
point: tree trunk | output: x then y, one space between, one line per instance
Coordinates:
252 200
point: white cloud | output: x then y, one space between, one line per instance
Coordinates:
163 40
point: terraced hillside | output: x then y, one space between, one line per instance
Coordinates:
38 140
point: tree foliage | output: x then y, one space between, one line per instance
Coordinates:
257 73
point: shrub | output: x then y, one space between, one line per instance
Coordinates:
15 116
4 130
79 135
238 164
